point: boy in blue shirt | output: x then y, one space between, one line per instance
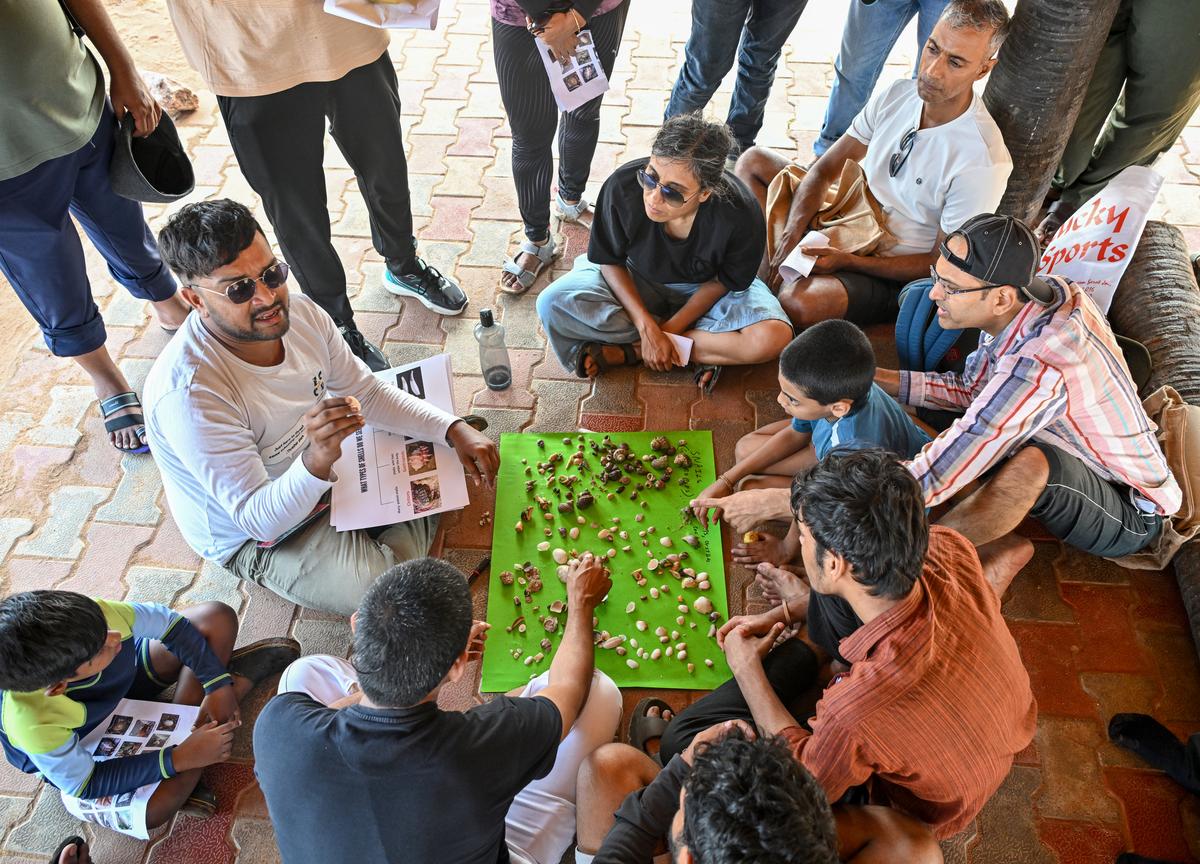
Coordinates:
66 661
826 385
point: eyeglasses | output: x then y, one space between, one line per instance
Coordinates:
952 290
243 289
900 157
670 194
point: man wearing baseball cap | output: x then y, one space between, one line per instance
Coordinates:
1053 427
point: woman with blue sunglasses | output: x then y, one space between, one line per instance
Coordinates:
675 246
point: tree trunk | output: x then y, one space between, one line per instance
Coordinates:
1037 87
1158 303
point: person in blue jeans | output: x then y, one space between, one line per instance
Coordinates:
872 28
752 30
56 141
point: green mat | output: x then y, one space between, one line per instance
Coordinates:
661 511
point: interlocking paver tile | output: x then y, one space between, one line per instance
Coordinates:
464 177
28 574
1152 809
417 64
1174 655
1006 810
135 501
45 827
156 584
557 404
70 507
1108 642
475 137
255 840
1034 595
614 393
1071 775
125 310
1048 651
483 100
520 320
1117 693
438 117
1080 842
12 530
103 566
322 637
214 583
12 425
59 425
266 614
427 153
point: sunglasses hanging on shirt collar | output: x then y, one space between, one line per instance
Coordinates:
901 156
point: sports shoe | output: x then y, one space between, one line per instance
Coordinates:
362 349
426 284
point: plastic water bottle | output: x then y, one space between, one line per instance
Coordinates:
493 355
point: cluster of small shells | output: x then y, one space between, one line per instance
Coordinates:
620 471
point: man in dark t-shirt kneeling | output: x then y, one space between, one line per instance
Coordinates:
358 763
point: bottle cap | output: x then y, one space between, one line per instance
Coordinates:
486 319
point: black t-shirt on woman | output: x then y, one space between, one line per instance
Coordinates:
726 242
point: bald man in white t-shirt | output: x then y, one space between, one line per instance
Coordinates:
932 156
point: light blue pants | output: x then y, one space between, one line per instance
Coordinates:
580 307
870 32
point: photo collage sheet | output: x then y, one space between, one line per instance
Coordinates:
576 78
134 727
385 478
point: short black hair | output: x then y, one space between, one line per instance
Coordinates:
865 506
752 802
206 235
831 361
413 622
45 636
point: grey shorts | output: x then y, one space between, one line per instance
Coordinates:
1086 511
870 299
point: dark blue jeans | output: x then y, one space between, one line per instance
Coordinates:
42 256
718 27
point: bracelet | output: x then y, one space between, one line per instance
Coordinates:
725 479
787 613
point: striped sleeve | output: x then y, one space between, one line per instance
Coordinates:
1022 397
155 621
831 754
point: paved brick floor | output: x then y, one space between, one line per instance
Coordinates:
1097 639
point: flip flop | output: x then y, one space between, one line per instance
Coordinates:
707 387
525 278
264 658
643 727
112 405
595 350
76 841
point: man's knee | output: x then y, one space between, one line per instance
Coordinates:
615 767
770 338
759 164
1028 470
812 300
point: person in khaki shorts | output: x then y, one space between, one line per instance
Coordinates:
247 409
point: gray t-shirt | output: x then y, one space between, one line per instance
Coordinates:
227 435
51 88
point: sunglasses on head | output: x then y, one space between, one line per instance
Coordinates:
669 193
243 289
899 158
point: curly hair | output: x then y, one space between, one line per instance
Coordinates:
206 235
865 506
751 802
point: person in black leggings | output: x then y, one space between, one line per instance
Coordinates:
533 113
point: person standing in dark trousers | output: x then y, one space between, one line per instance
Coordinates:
752 30
56 140
521 30
279 72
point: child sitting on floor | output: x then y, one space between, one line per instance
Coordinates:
826 386
66 662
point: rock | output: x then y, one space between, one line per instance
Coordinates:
174 98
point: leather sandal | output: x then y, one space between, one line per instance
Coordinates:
595 350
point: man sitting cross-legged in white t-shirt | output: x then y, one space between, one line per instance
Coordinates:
246 410
932 157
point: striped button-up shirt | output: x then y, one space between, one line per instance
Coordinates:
1056 375
936 702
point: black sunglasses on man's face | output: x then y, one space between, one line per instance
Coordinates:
243 289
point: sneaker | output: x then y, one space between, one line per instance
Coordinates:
426 284
364 350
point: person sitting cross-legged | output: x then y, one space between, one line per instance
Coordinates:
731 798
936 702
675 244
931 155
247 409
826 386
358 763
67 661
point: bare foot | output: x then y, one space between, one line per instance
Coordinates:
613 356
767 548
1003 558
172 312
778 583
652 744
526 261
